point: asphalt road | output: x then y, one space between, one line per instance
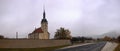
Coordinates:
90 47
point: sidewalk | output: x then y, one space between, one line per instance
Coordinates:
109 46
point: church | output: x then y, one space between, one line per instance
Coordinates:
41 32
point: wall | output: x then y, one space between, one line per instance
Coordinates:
31 43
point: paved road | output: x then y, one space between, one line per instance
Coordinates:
90 47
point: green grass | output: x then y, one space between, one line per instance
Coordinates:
117 48
32 49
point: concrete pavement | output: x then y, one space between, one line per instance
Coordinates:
110 46
89 47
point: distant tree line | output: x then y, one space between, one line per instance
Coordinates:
111 39
63 33
80 39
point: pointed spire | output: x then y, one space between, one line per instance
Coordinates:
44 11
44 15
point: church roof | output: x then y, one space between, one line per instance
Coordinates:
38 30
44 20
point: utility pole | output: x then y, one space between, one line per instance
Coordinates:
16 35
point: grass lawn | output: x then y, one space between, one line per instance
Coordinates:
32 49
117 48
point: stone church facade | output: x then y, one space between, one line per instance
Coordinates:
41 32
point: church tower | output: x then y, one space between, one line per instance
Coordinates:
44 26
44 23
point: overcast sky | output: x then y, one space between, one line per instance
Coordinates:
81 17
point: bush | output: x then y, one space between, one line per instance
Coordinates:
118 39
1 37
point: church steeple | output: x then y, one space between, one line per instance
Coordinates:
44 22
44 13
44 16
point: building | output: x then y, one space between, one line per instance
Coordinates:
41 32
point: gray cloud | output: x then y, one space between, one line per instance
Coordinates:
82 17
